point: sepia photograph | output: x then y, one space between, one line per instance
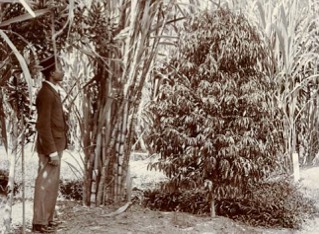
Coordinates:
159 116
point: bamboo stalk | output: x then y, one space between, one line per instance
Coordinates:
87 151
109 165
100 193
23 183
116 164
123 134
127 77
127 180
3 133
10 187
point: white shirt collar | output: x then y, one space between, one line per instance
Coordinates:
55 87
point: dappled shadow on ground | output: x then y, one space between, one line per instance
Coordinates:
78 219
136 219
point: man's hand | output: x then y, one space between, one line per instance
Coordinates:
54 159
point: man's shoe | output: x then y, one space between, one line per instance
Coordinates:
38 228
54 223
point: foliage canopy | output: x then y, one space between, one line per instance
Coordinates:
214 123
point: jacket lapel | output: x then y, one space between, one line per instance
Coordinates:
47 86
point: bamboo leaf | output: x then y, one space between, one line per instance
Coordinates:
21 60
284 17
262 14
27 7
24 17
75 170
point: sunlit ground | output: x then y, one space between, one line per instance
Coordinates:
142 179
70 170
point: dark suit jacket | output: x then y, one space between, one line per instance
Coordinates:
51 125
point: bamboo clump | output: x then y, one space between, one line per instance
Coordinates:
107 144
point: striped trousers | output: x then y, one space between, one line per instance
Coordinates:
46 190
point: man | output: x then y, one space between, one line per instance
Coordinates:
51 141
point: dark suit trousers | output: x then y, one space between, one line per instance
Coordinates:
46 190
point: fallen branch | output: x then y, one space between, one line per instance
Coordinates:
119 210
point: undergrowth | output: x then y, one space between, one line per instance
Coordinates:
72 189
272 204
4 179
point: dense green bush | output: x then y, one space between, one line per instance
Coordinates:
216 129
214 123
192 201
271 204
72 189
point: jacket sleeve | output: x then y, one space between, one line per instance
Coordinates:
44 104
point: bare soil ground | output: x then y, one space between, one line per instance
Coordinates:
136 219
78 219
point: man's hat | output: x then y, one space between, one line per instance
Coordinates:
48 65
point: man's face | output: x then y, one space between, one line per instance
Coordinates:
57 76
